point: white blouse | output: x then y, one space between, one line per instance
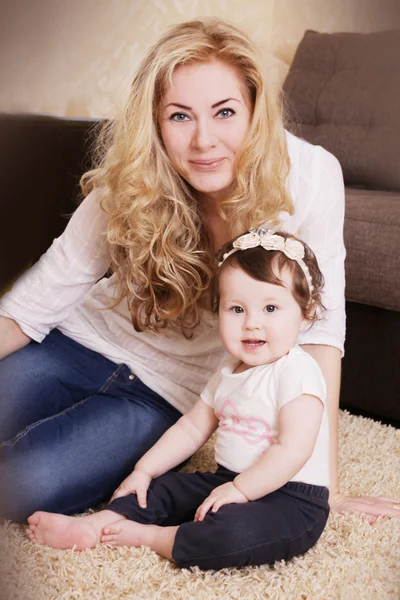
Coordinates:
60 290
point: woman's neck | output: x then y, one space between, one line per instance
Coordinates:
218 229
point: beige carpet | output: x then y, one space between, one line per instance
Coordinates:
352 560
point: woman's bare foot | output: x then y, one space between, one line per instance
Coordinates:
128 533
62 532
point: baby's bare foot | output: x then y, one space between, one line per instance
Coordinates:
60 531
127 533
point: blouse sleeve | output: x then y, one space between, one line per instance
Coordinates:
322 229
48 292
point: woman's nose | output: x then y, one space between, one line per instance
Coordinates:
204 135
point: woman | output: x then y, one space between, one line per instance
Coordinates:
199 156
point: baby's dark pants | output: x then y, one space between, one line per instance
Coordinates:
283 524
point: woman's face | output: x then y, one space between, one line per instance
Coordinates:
204 118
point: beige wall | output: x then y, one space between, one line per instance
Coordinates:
76 57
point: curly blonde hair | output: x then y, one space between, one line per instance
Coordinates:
160 250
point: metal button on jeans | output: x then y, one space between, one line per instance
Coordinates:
131 377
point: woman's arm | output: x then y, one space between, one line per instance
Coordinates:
329 360
12 338
322 229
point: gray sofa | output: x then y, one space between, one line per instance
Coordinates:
343 93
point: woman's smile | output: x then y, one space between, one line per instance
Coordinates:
207 165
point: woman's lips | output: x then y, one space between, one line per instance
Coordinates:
207 165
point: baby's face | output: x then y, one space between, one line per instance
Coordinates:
259 322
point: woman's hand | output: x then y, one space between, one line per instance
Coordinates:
223 494
12 338
136 483
365 506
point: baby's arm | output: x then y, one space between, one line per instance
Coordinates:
177 444
180 441
298 425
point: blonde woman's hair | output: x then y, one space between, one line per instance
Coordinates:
160 250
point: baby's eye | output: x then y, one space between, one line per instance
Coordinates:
225 113
237 309
178 117
270 308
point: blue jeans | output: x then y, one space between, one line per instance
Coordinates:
72 426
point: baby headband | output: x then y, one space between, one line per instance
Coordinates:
269 240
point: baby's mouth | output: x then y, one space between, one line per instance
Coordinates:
253 343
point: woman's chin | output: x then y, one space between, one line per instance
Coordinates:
217 190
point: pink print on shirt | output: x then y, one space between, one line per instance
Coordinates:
253 429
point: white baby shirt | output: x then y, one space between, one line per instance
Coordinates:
247 406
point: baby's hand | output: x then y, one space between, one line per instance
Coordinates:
223 494
136 483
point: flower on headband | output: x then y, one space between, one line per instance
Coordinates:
294 249
246 241
269 241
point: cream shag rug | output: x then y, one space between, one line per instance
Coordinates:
352 559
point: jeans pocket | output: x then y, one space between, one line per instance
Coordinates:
121 379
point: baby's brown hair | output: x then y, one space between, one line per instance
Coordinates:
263 265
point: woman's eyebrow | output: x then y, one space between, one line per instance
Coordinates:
212 106
223 102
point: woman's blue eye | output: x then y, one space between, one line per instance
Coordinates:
225 113
270 308
178 117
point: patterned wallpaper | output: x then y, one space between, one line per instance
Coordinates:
77 57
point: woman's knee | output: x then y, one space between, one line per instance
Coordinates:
34 476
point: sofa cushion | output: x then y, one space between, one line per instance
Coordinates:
372 233
343 93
